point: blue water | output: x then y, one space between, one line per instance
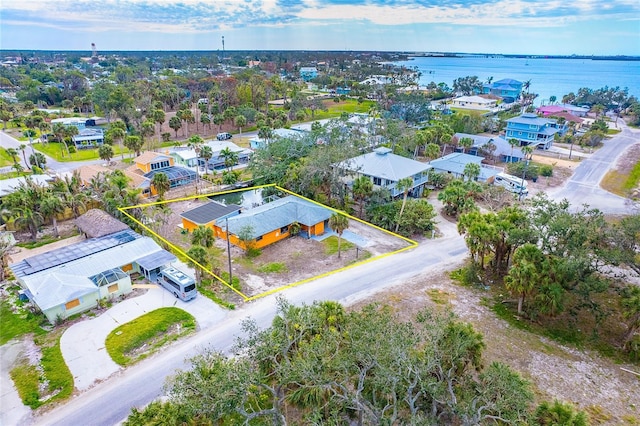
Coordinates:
549 77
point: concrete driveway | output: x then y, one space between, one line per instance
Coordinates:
83 344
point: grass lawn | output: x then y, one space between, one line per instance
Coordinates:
151 331
58 152
331 245
16 324
273 268
5 159
471 112
52 370
12 175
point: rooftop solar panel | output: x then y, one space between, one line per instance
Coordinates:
82 249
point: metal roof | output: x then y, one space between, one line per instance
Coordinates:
456 162
58 288
528 118
384 164
156 259
278 214
63 255
209 212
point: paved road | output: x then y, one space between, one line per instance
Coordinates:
53 166
140 384
584 186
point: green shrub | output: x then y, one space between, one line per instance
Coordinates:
546 170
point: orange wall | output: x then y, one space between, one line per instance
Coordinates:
190 226
267 239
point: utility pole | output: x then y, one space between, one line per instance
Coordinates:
226 221
524 172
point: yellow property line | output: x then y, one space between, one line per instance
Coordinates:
246 298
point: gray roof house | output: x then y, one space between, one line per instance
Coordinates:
385 169
504 152
72 279
270 222
455 163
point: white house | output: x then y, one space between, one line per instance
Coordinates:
474 102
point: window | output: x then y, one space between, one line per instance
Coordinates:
113 288
160 165
284 229
377 181
259 238
72 304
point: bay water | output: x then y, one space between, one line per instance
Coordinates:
548 76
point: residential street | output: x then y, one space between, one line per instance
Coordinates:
143 382
55 167
584 186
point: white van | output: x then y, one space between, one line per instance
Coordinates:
511 183
178 283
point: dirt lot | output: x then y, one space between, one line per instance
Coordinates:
303 258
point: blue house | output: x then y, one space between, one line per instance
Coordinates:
532 130
455 163
503 151
308 73
508 89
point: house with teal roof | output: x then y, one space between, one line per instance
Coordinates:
508 89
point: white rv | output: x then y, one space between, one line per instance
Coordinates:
511 183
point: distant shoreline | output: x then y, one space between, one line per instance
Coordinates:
406 54
494 55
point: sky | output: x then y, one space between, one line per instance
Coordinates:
536 27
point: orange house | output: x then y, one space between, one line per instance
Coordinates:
272 222
207 215
137 180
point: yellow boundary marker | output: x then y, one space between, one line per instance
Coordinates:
178 250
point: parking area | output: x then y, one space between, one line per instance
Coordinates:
83 344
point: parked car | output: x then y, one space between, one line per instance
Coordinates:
224 136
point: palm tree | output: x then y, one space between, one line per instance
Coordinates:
175 123
230 158
472 171
338 223
465 143
105 152
198 259
13 153
29 218
523 274
513 142
118 132
158 116
206 152
161 183
51 207
203 236
404 185
23 148
362 189
147 129
527 150
240 121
